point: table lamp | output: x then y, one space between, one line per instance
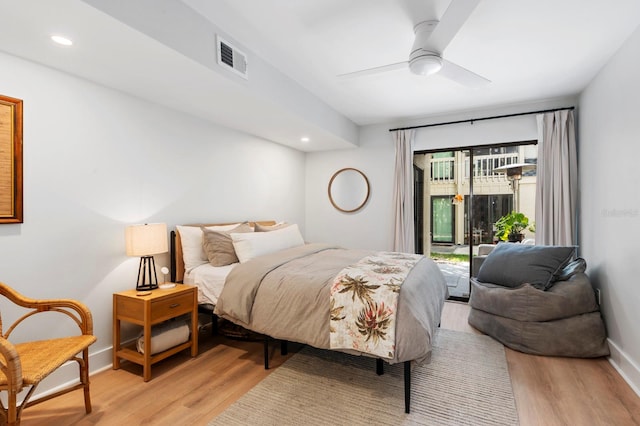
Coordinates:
145 241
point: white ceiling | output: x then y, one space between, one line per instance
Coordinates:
530 50
162 50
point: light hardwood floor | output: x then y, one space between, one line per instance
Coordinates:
191 391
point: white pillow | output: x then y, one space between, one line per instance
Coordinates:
250 245
193 254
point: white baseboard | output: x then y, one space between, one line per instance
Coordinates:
624 365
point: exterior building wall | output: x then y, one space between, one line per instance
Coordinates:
449 181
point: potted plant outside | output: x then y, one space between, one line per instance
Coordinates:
510 226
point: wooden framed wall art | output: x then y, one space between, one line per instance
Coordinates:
10 160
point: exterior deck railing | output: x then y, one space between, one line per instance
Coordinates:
443 170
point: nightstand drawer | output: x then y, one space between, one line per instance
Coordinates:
170 307
130 309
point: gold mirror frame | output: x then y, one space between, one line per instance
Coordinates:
10 160
359 204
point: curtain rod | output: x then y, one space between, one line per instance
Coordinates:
471 120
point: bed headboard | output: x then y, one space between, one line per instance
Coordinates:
177 261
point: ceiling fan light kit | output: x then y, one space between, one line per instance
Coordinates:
425 64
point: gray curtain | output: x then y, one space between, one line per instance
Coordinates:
557 179
403 240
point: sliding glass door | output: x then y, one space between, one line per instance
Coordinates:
461 194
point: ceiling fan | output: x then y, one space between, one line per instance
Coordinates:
431 39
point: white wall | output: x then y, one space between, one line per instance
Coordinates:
96 160
369 227
609 151
372 227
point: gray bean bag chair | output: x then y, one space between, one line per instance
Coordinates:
556 315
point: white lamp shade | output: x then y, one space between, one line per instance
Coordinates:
146 240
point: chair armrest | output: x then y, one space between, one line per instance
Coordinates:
11 366
477 263
85 320
69 307
485 249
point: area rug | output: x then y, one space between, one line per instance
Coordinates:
466 383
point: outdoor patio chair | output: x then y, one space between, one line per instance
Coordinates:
25 365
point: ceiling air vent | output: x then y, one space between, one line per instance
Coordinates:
231 58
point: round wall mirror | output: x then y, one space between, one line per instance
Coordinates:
348 190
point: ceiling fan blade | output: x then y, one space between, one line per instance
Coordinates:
375 70
454 17
462 75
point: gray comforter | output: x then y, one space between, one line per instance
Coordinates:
286 295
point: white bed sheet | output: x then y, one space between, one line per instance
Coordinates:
209 279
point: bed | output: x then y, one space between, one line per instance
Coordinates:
288 294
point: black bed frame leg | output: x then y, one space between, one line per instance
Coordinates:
214 324
407 386
379 367
266 352
284 348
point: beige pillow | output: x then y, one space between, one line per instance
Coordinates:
218 245
267 228
193 254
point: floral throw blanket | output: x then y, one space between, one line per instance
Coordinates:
364 301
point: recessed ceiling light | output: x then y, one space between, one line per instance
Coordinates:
304 139
61 40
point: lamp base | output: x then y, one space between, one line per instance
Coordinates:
145 287
147 279
166 286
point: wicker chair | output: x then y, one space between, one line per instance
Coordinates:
25 365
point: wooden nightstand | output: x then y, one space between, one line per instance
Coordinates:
146 311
